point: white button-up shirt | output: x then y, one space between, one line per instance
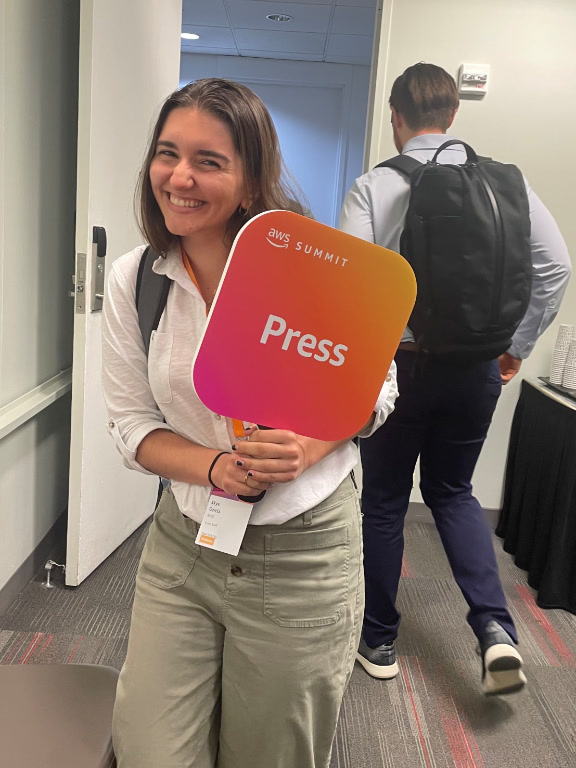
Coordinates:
143 394
376 207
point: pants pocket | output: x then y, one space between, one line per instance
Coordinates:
306 576
170 550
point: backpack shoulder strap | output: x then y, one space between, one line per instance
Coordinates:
401 163
151 295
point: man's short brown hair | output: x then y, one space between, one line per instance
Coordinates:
426 96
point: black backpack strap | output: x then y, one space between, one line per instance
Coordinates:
401 163
151 295
471 155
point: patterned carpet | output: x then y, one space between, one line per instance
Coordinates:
431 716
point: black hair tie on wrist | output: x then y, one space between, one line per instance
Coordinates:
222 453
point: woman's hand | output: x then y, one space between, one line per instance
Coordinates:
266 457
271 456
231 476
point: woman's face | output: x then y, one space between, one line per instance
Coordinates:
196 174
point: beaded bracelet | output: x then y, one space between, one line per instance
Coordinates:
222 453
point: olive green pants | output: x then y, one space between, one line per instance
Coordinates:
242 662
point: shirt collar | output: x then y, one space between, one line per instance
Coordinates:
428 141
172 267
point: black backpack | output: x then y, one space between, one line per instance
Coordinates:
467 238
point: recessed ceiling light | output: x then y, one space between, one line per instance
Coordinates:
189 36
278 17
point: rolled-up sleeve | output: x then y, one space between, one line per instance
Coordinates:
551 271
132 410
385 403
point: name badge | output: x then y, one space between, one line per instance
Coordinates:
224 523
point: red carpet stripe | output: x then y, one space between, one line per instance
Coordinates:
557 642
16 648
465 752
534 630
74 651
425 752
30 650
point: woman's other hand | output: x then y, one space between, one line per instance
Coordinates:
231 476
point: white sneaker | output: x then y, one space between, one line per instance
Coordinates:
379 662
501 663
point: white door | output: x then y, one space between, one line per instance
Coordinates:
129 62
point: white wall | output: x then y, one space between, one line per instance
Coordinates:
527 118
319 111
38 94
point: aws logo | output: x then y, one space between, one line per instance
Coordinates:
278 239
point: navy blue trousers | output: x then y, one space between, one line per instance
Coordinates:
442 415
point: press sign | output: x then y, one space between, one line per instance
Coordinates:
304 327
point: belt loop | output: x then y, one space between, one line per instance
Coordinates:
307 518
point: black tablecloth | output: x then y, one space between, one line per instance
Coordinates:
538 517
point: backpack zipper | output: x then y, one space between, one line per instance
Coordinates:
497 300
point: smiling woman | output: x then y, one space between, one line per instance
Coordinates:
228 662
233 134
197 176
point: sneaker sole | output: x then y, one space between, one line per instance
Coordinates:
504 673
377 670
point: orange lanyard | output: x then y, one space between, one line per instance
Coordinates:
237 425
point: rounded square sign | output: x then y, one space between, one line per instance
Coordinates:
305 324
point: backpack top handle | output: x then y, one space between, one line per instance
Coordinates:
471 156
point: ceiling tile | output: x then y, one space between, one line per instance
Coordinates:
207 14
251 14
210 37
230 27
349 45
353 21
212 51
364 61
279 55
282 42
286 3
358 3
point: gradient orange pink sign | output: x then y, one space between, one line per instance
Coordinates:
304 327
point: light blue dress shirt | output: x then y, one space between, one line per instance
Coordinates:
376 206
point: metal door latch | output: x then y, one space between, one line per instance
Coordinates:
79 283
99 244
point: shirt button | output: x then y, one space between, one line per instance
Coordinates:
236 570
111 424
388 378
218 417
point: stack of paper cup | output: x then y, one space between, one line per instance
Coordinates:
560 354
569 377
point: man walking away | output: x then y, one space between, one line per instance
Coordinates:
491 277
